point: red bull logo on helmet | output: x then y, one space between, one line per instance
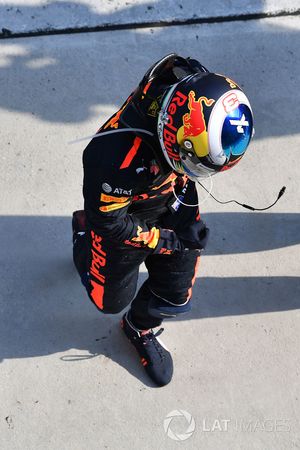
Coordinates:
194 122
194 126
169 130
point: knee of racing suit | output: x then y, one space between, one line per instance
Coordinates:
163 309
111 305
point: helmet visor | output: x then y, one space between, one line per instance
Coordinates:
237 131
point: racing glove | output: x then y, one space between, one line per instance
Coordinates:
194 237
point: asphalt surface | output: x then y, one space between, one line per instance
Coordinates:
69 380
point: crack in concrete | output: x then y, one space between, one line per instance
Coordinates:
5 33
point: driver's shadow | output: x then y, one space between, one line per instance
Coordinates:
45 309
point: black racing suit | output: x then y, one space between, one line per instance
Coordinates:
134 217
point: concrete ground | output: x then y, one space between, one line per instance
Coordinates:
69 380
34 16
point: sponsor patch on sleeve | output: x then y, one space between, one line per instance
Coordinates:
113 206
111 198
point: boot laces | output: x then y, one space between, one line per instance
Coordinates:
151 337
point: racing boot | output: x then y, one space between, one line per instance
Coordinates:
155 358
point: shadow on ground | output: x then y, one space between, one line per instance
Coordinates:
62 79
45 310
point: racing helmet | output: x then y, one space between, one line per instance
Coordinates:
205 124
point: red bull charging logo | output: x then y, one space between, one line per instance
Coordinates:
170 130
194 126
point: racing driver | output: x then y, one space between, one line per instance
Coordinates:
181 124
